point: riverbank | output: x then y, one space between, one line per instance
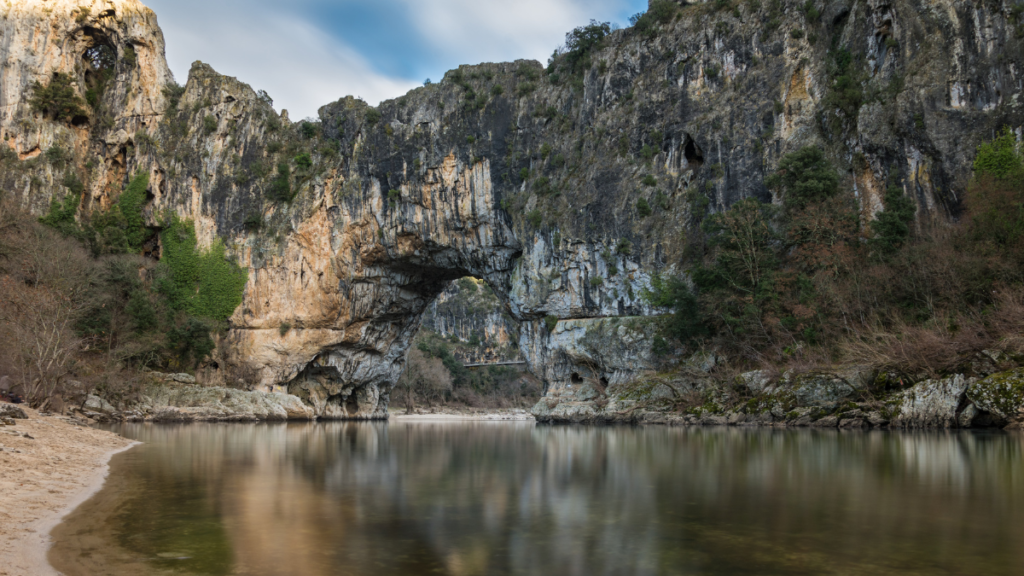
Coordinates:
468 415
48 466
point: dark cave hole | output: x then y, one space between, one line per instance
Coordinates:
352 405
693 154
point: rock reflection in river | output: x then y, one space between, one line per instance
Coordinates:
508 498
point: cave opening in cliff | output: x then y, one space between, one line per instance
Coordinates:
100 58
693 154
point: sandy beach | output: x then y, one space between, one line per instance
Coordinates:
48 466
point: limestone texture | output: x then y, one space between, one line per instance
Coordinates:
931 404
526 180
1000 394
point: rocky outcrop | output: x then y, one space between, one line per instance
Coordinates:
11 412
1001 395
821 400
171 402
930 404
529 181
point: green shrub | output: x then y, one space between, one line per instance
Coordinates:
191 341
581 41
661 201
892 225
73 183
545 150
804 176
811 12
253 222
373 116
61 216
58 99
130 205
284 329
643 208
542 186
535 218
56 156
796 34
173 93
309 130
202 283
659 12
141 312
524 174
659 346
845 92
304 161
999 158
649 180
525 89
550 322
686 322
624 247
129 56
280 189
209 125
497 90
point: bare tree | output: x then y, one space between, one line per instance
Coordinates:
424 378
45 283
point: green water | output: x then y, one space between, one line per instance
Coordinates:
507 498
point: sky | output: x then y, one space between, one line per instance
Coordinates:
307 53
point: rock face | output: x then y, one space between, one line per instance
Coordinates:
528 181
470 312
1000 394
930 404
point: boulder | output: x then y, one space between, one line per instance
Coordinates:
1000 394
821 389
12 412
929 404
757 381
98 405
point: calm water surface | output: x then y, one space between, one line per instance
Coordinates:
505 498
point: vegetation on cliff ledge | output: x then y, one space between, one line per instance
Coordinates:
811 282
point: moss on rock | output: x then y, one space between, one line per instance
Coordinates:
1001 394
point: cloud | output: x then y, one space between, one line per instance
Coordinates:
297 63
500 30
307 53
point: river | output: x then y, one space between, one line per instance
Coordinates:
515 498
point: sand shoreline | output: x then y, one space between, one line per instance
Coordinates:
44 478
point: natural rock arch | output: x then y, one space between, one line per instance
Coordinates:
354 281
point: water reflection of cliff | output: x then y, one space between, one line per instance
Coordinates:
357 498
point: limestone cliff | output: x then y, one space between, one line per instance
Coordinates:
530 181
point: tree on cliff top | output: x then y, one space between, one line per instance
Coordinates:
583 40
